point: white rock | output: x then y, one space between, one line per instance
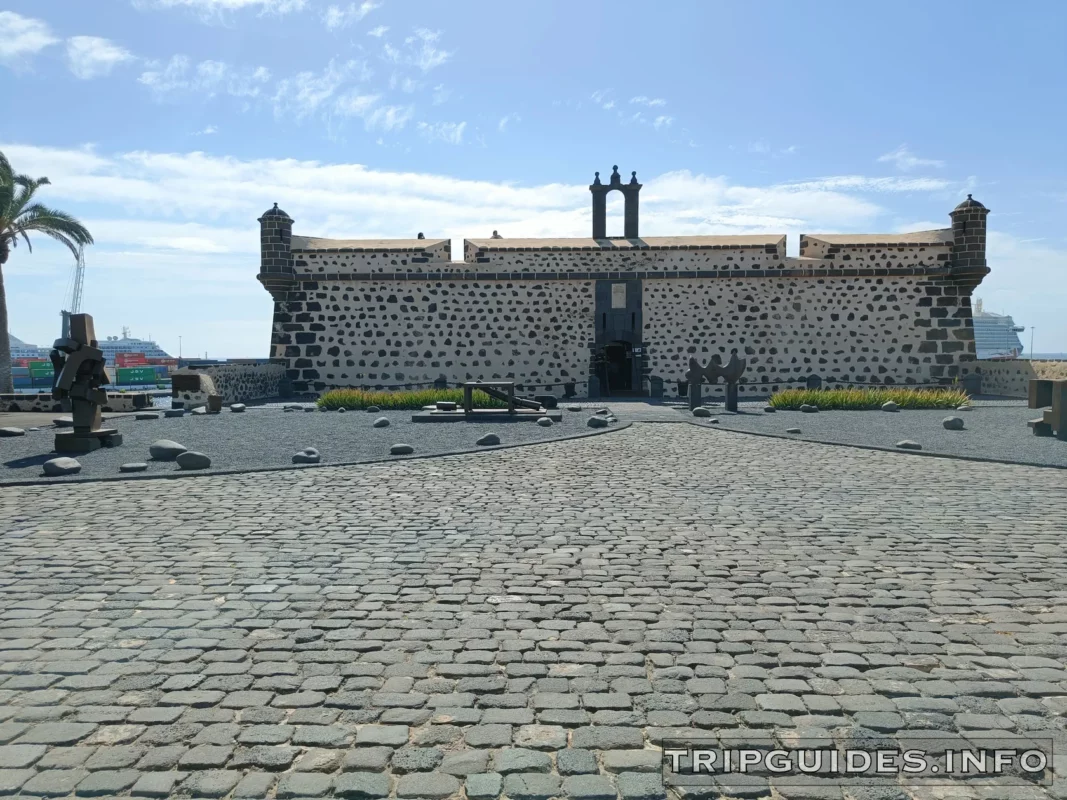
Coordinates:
890 406
191 459
237 408
381 422
166 450
544 422
8 432
401 449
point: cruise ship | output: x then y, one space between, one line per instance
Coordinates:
128 344
21 349
995 335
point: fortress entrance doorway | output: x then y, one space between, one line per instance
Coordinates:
619 367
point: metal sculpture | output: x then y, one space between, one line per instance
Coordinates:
79 373
731 373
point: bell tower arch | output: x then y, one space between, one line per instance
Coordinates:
630 192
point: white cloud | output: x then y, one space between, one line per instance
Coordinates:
209 77
378 32
388 118
216 10
336 18
506 120
420 50
22 38
662 122
210 129
652 102
905 160
441 94
602 97
91 57
309 92
447 132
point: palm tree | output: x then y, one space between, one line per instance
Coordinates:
18 217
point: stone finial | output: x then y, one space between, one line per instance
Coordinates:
615 177
970 202
596 179
633 177
496 235
421 235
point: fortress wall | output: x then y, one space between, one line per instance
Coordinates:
901 330
623 260
1012 378
371 333
322 262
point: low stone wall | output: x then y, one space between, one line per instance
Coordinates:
235 383
116 402
1012 378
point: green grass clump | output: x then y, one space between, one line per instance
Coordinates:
869 398
412 399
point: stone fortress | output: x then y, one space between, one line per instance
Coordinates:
853 309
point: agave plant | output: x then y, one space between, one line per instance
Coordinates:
21 215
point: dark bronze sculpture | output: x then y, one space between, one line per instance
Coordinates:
731 373
79 373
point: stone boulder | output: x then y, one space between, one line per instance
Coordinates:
373 410
342 410
200 411
174 412
135 466
952 423
792 430
9 432
574 407
166 450
445 405
489 439
63 422
713 421
544 422
909 445
890 406
770 410
62 466
602 411
965 408
309 455
807 408
237 408
381 422
145 415
597 422
701 412
401 450
192 459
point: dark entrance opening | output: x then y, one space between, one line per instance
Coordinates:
619 367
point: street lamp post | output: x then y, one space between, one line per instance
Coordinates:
179 352
1031 342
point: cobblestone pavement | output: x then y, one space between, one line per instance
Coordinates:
530 623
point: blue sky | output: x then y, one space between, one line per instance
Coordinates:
168 126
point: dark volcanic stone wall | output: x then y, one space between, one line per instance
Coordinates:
391 333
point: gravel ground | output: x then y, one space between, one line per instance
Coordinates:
268 437
994 429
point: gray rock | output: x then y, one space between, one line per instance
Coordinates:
33 429
373 410
166 450
323 409
489 439
63 422
952 423
199 411
134 466
770 410
368 785
416 759
576 762
890 406
909 445
432 785
485 786
7 432
701 412
191 459
401 449
309 455
62 466
544 422
807 408
531 786
519 759
574 408
965 408
341 410
589 787
174 412
146 415
602 411
792 430
381 422
714 421
446 405
597 422
237 408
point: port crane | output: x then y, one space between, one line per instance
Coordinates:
75 286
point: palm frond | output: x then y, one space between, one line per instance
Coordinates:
49 220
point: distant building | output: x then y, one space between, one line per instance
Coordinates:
20 349
995 335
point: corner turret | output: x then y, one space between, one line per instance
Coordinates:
275 256
968 243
